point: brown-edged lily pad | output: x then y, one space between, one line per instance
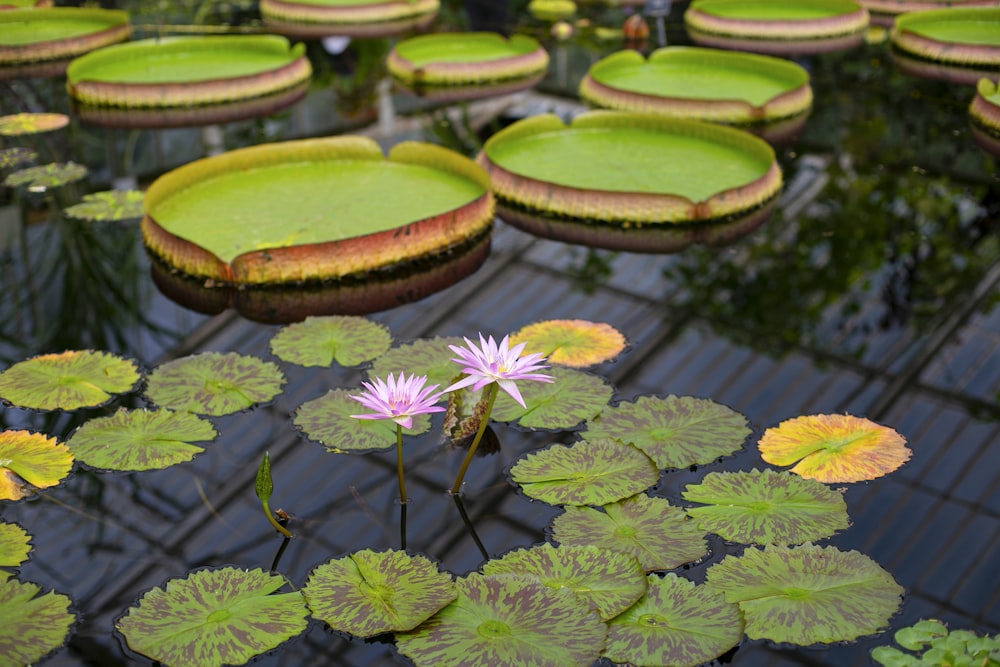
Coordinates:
328 421
571 398
29 462
31 123
110 205
47 176
214 383
319 341
31 625
68 380
573 343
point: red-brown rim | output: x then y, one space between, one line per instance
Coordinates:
518 67
778 47
848 23
69 47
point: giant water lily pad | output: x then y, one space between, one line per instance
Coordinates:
675 431
356 18
319 341
31 625
573 343
427 356
29 462
676 623
807 595
571 398
766 507
984 114
15 543
959 36
68 380
609 581
367 593
315 209
834 448
214 383
459 58
214 617
328 421
507 620
110 205
58 33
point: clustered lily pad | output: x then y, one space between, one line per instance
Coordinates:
430 357
572 398
328 421
111 205
68 380
31 625
319 341
214 383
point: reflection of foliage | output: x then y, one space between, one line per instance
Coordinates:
936 646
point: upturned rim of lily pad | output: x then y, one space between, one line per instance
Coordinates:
472 91
461 58
919 34
378 18
112 26
891 8
984 116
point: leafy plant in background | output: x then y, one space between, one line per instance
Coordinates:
928 643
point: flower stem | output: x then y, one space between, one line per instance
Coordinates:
399 463
491 397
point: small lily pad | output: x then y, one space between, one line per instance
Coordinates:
29 462
427 356
319 341
369 592
328 421
766 507
587 472
676 623
31 625
807 595
676 431
140 439
214 617
608 581
16 157
574 343
46 176
571 398
68 380
15 543
651 529
507 620
20 124
214 383
110 205
834 448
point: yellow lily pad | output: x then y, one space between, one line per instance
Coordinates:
29 462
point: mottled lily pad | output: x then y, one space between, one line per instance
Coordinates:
369 592
427 356
676 623
319 341
31 123
587 472
29 462
834 448
608 581
214 383
31 625
571 398
140 439
111 205
15 543
574 343
68 380
507 620
807 595
16 157
328 421
651 529
676 431
46 176
766 507
214 617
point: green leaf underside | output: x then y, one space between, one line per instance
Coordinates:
214 617
47 175
572 398
30 461
114 205
766 507
651 529
676 623
427 356
608 581
291 203
588 472
14 545
807 595
30 626
140 439
214 383
319 341
328 421
788 10
68 380
368 593
676 431
507 620
470 47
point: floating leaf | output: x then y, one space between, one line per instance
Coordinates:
31 123
676 431
328 421
507 620
766 507
214 383
573 397
43 177
68 380
31 627
214 617
427 356
319 341
574 343
587 472
651 529
608 581
807 595
834 448
116 205
16 157
29 462
368 592
676 623
140 439
14 545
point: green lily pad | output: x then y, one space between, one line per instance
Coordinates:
31 625
573 343
572 397
328 421
214 383
319 341
16 156
29 462
608 581
46 176
111 205
651 529
140 439
20 124
587 472
15 543
68 380
214 617
807 595
368 592
457 58
676 431
507 620
676 623
427 356
766 507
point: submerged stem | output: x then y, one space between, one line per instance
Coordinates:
491 397
399 463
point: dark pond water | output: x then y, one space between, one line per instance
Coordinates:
872 290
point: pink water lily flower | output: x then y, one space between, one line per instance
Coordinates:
490 362
399 400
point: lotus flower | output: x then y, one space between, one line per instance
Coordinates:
399 400
490 362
